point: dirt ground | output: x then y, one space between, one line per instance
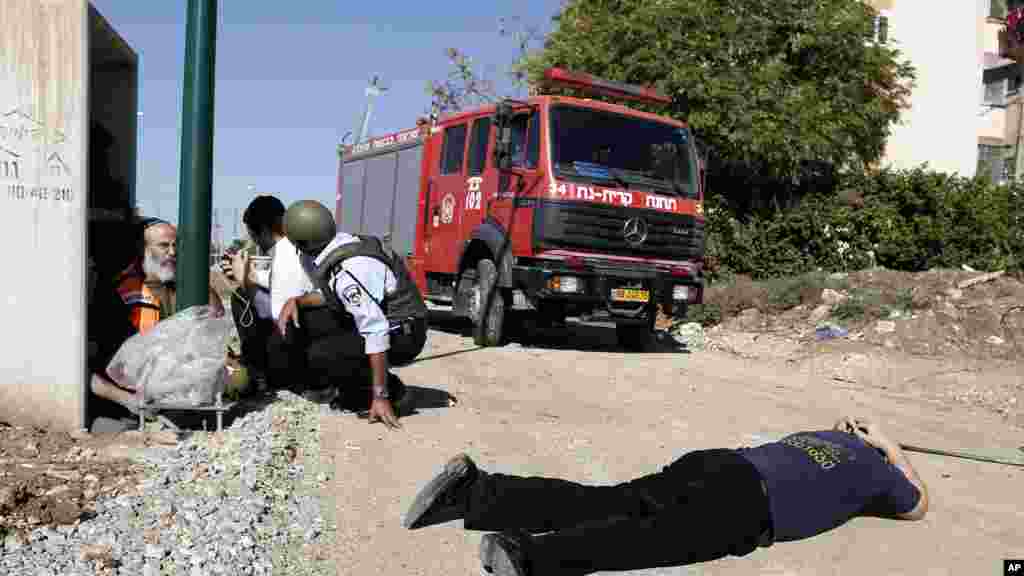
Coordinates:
600 415
592 413
934 313
940 366
938 334
53 479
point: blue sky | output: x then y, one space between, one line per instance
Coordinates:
290 83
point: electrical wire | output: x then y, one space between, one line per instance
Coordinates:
246 311
965 455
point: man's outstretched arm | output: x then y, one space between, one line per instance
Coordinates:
873 436
899 459
361 288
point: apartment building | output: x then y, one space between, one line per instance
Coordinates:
941 126
999 111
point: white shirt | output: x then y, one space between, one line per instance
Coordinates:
377 278
288 276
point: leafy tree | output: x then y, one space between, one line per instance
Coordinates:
768 83
997 8
464 87
779 89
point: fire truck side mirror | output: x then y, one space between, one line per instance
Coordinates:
503 136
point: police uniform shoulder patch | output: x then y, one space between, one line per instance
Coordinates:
353 295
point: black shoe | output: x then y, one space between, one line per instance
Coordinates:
503 555
443 498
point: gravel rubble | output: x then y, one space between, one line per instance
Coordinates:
242 502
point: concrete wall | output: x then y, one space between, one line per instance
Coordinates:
43 136
941 127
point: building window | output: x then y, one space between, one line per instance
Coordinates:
995 93
1013 85
881 30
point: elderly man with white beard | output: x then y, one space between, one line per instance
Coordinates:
147 295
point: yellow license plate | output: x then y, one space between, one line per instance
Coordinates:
630 295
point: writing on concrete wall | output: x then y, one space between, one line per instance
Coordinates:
32 163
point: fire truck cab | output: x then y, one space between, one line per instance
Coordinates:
547 208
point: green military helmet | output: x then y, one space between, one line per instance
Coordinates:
310 226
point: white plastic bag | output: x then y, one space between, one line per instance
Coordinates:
181 359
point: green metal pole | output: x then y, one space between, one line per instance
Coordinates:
196 180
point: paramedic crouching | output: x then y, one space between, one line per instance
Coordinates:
371 288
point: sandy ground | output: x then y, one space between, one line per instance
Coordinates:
593 413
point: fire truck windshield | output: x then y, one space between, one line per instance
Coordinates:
598 146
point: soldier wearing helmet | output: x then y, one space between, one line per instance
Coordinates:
362 279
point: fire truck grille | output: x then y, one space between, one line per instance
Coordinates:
559 224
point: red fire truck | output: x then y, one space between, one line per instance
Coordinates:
553 207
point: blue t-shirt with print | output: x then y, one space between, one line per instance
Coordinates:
818 480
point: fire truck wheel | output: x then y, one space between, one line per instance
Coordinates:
488 324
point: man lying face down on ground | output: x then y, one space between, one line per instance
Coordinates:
706 505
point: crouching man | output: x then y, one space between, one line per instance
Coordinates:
706 505
145 295
369 285
271 359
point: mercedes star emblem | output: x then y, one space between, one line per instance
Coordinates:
635 231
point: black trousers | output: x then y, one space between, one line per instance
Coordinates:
265 350
706 505
334 352
325 350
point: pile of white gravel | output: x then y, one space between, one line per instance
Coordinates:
242 502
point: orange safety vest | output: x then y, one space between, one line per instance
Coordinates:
144 302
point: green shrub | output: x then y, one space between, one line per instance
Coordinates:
851 309
704 314
789 292
905 300
909 220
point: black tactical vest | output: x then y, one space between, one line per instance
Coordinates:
406 302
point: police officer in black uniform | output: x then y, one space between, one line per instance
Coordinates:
368 284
